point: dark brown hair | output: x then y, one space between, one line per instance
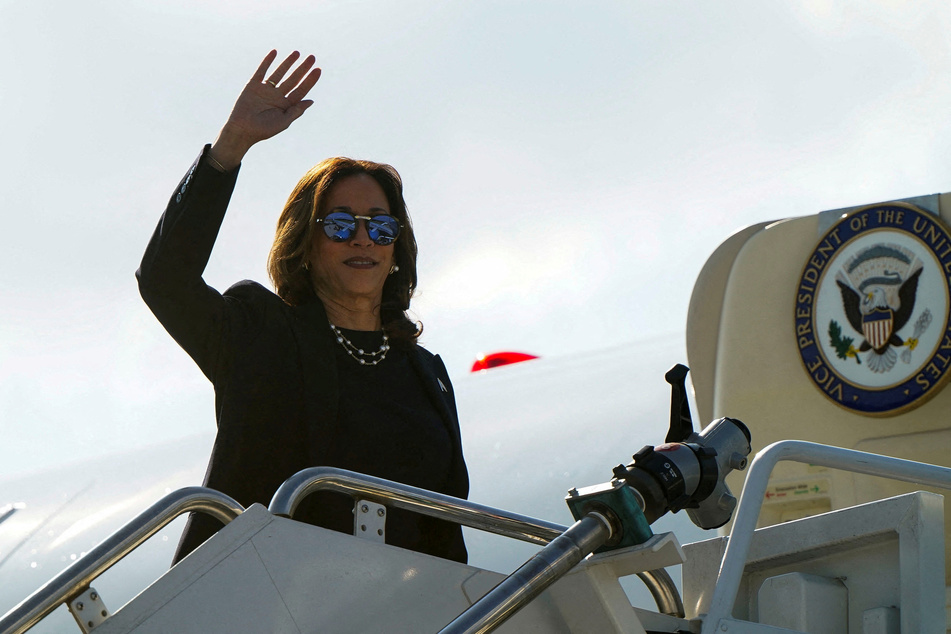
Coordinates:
294 239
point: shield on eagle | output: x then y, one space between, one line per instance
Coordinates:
877 326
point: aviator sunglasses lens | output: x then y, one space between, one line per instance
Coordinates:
339 226
382 229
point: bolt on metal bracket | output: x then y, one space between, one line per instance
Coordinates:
88 609
369 520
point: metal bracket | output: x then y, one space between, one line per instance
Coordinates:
617 503
369 520
88 609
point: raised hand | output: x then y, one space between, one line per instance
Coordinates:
267 106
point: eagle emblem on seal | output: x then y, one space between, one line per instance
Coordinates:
878 286
873 308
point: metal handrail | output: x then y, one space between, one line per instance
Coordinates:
75 578
486 518
304 483
549 565
754 492
664 591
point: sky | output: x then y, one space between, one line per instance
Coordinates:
568 167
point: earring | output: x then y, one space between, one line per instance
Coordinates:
394 269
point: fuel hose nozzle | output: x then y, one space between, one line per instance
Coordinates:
688 471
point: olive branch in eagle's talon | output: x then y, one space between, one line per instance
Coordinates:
843 345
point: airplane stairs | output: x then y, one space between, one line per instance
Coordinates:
876 568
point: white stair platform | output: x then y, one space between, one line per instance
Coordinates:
263 573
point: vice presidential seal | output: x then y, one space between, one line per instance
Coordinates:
873 310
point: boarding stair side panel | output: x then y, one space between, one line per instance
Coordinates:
267 573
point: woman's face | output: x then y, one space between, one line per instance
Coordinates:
352 272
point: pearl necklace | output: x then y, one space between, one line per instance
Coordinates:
362 357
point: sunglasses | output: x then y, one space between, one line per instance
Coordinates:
340 226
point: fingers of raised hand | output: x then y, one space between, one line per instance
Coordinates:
282 69
292 88
298 74
258 75
304 86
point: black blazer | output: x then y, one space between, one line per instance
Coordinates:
272 365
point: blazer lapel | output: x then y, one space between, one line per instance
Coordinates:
437 388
